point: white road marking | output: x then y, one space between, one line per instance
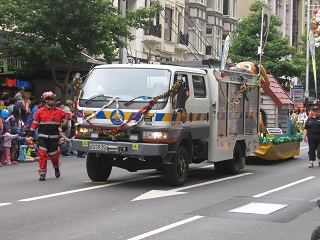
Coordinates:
5 204
159 193
283 187
165 228
258 208
75 191
82 189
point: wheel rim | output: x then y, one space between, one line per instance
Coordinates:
182 167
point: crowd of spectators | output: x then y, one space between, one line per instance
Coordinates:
16 115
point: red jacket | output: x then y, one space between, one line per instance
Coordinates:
48 120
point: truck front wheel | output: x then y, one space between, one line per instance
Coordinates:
97 169
176 173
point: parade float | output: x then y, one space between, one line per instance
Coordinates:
278 139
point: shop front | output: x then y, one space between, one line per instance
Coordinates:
9 82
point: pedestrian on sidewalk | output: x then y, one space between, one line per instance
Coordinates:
311 134
47 120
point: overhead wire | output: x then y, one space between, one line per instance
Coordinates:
198 27
183 40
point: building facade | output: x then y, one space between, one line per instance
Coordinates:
184 30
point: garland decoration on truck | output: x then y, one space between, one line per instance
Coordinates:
114 133
77 85
282 139
244 88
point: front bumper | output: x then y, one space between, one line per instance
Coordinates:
120 148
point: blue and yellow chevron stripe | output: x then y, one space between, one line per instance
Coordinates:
164 117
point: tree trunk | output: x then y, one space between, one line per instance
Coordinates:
64 86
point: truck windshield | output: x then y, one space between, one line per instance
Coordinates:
127 84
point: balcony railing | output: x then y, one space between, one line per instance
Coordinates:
154 30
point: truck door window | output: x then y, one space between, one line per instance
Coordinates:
199 86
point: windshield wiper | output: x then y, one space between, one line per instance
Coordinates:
143 96
97 96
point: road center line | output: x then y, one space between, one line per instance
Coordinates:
283 187
165 228
82 189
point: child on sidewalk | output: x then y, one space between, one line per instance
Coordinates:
7 137
26 143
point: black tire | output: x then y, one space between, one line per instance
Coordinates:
176 173
97 170
233 165
219 167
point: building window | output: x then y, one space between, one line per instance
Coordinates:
168 24
208 50
226 7
209 31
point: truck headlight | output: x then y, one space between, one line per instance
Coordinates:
155 135
83 130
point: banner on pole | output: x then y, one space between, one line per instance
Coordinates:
311 43
265 23
225 52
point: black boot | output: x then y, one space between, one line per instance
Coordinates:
57 172
42 178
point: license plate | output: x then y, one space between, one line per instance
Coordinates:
98 147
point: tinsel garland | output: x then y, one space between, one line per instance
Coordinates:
77 85
114 133
244 89
282 139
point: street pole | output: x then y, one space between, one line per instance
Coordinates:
123 51
307 52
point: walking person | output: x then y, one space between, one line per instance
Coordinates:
47 121
311 134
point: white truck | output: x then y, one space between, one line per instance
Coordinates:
166 117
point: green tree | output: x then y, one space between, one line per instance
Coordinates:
59 31
279 58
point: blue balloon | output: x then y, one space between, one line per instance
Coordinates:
4 113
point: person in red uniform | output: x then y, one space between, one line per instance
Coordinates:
47 121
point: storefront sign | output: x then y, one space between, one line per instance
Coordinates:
12 82
8 65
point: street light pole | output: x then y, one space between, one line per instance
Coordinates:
307 53
122 5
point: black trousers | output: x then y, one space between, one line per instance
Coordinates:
313 143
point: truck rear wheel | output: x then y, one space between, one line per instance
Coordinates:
97 170
233 165
176 174
219 167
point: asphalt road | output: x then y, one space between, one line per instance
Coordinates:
267 200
